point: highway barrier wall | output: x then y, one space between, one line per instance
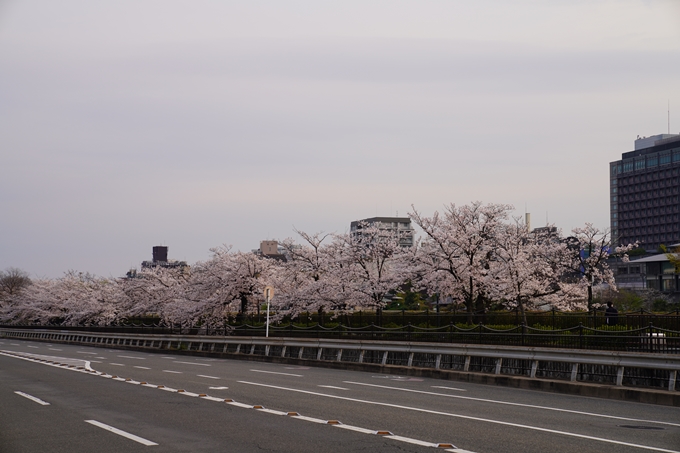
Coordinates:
644 377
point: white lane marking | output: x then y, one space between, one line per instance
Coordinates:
274 372
34 347
332 387
465 417
96 361
103 358
168 357
412 441
272 411
170 371
117 364
448 388
15 344
131 357
83 352
218 388
209 377
120 432
33 398
55 349
592 414
356 428
194 363
142 367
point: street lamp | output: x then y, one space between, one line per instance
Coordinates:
268 294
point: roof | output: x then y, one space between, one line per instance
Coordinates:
652 259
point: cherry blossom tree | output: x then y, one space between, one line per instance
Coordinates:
529 266
308 280
590 248
227 282
156 291
455 257
77 299
370 262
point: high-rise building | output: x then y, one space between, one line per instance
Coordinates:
400 226
644 191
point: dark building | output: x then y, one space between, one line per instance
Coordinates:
160 259
644 193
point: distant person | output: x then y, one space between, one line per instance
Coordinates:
611 315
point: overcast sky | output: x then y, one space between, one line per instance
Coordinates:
129 124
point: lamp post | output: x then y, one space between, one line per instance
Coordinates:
268 294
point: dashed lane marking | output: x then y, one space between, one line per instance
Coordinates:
467 417
208 377
120 432
194 363
592 414
333 387
131 357
448 388
117 364
170 371
33 398
336 423
275 372
34 347
141 367
85 352
218 388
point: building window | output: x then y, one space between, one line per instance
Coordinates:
652 161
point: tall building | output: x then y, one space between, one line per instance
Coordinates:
391 225
160 259
644 192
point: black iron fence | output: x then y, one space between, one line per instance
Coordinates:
552 319
613 338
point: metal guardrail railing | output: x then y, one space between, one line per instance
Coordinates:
649 339
609 367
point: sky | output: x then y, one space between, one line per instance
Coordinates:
193 124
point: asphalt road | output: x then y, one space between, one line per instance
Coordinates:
47 407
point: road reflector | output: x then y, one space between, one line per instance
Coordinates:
332 422
446 446
228 400
384 433
257 406
160 387
293 414
201 395
180 391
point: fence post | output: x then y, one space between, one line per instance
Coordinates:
580 335
409 331
651 337
480 333
523 334
553 318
